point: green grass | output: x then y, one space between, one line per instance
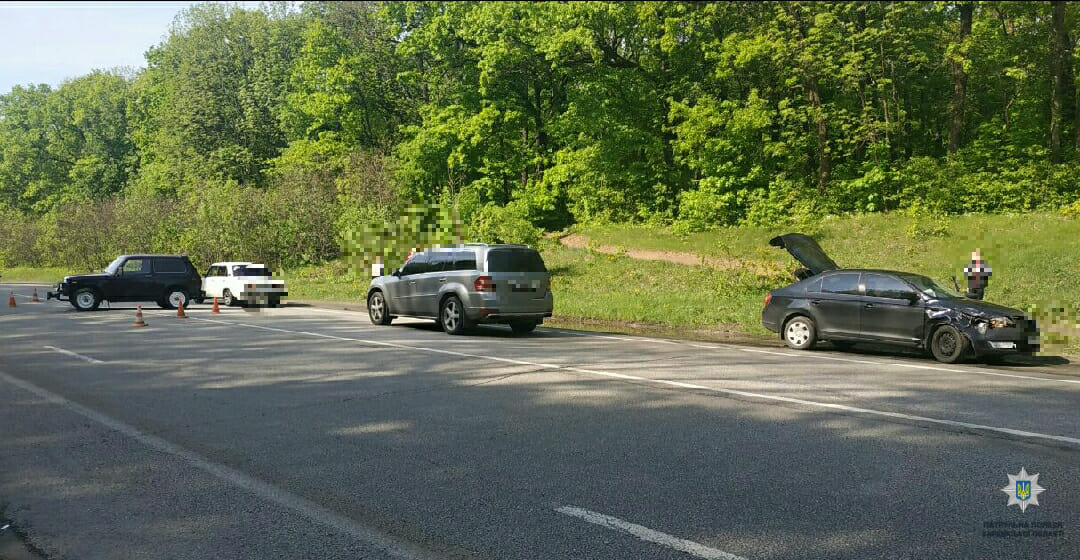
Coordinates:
1035 259
35 275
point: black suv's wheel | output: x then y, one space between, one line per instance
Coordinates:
800 333
523 327
377 309
452 315
948 344
173 298
85 299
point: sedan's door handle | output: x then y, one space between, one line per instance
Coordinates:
869 306
441 280
815 301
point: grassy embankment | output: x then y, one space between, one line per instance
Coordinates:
1035 258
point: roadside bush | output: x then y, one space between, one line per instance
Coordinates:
18 239
503 224
79 234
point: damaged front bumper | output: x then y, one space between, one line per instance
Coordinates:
61 293
1021 338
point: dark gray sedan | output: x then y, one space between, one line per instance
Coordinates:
848 306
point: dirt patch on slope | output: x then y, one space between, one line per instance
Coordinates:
578 241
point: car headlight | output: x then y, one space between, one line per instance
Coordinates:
981 326
1001 323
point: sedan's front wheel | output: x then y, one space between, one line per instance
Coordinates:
948 344
800 333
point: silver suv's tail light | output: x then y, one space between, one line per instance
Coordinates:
483 284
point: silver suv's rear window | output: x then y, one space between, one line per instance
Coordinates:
515 260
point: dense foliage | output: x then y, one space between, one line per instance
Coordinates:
297 134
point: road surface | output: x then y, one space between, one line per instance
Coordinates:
301 432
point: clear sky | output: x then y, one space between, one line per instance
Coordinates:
48 42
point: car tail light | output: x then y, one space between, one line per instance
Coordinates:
768 298
484 284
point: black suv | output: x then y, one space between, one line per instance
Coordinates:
166 279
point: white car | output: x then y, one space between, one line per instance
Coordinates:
242 282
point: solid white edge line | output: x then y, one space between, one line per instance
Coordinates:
726 346
70 353
953 423
647 534
264 490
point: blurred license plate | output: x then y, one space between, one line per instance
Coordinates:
521 288
1033 340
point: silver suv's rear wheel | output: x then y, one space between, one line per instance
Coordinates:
452 315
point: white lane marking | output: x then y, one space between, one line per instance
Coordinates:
915 366
264 490
79 356
723 346
845 408
647 534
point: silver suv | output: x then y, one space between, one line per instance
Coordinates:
463 285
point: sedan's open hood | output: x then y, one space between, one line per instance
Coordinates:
806 251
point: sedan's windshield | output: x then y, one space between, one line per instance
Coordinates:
114 266
929 287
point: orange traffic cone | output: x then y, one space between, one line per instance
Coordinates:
11 300
138 317
215 309
180 310
35 299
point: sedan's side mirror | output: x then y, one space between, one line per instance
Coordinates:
912 298
396 272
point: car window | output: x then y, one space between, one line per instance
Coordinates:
440 261
169 266
464 260
879 285
813 286
515 260
846 283
137 266
254 271
929 287
416 265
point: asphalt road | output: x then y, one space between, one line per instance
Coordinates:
309 433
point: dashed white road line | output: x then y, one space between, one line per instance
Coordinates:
73 354
264 490
647 534
735 392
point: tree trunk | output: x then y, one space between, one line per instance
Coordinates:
959 79
824 163
860 144
1058 45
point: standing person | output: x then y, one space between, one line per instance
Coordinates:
978 275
